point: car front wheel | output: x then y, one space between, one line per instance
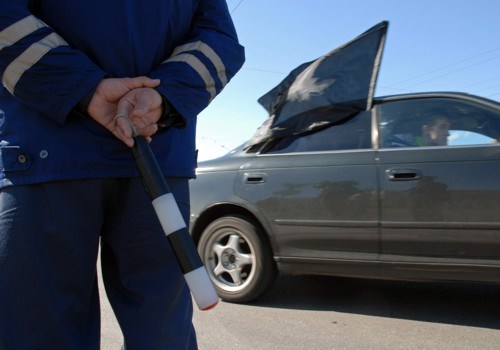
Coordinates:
238 258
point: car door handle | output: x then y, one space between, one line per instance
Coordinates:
403 174
254 178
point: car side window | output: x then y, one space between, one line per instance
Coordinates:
437 122
352 133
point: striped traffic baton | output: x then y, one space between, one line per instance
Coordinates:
173 225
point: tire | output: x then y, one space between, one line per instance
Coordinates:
238 258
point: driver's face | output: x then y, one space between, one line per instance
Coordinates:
437 133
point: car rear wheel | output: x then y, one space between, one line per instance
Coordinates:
238 258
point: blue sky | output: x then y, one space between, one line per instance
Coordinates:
439 45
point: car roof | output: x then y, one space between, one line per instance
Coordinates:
437 94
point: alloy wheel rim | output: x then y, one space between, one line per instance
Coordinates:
230 260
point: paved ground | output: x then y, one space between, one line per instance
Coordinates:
314 312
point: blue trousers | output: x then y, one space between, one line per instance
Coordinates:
49 243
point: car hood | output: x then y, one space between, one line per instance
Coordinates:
233 160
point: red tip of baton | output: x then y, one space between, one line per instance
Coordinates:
210 307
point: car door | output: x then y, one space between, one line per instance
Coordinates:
318 193
440 204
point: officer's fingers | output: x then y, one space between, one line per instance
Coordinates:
142 81
124 129
129 141
125 107
152 129
143 104
139 124
148 108
148 131
135 108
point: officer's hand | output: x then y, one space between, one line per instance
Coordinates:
141 107
103 105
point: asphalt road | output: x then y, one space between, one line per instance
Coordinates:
315 312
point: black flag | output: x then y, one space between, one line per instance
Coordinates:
327 90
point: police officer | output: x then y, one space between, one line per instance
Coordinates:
78 77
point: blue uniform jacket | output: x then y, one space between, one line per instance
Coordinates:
53 52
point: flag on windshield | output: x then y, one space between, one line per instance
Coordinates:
327 90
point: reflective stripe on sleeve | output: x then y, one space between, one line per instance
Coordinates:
180 55
28 58
209 53
19 30
200 68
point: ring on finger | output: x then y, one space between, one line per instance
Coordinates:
120 116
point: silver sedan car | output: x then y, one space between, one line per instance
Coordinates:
407 190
